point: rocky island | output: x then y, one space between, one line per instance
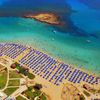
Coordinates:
48 18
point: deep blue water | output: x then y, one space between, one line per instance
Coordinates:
62 8
93 4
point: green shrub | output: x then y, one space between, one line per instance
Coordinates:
86 93
82 97
30 75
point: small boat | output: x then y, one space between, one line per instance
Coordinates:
54 31
53 39
88 41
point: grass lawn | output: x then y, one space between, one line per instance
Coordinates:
31 95
14 74
14 83
20 98
3 79
9 91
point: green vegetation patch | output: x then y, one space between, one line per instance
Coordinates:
86 93
32 94
43 97
18 67
3 78
36 93
98 91
82 97
15 74
30 75
9 91
14 83
24 71
93 90
20 98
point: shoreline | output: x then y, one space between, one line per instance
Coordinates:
56 58
82 69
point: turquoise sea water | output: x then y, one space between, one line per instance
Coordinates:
80 51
